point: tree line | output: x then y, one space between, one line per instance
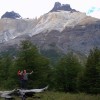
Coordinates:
68 75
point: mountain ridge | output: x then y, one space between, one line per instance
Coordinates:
59 31
62 7
11 14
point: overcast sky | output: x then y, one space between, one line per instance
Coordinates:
36 8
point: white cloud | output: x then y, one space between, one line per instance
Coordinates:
93 9
95 14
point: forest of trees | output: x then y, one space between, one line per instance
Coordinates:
67 75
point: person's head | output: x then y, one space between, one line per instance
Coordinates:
24 71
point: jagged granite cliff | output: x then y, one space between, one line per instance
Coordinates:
64 7
11 14
56 32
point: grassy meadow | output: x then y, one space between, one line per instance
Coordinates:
68 96
61 96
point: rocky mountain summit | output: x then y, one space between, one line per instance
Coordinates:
11 14
64 7
53 33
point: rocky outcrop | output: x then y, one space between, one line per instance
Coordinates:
13 28
11 15
64 7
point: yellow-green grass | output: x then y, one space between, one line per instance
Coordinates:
61 96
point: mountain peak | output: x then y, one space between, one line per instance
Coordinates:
65 7
11 15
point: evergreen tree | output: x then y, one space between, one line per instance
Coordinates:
66 73
27 54
5 65
30 59
91 77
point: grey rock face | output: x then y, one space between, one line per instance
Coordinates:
11 14
60 31
65 7
12 28
79 39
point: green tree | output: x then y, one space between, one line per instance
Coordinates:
27 54
91 77
66 73
30 59
5 65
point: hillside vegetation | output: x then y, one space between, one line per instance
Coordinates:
67 75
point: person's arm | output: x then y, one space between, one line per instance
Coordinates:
31 72
19 72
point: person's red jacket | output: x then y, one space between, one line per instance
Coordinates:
20 74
